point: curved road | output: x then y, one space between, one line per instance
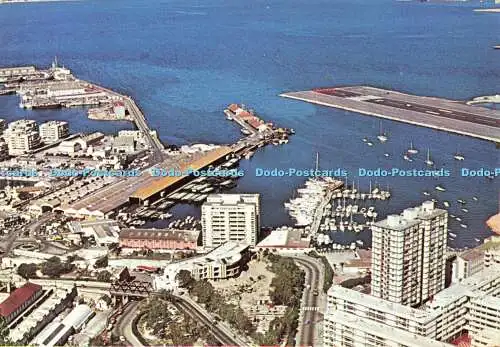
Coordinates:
123 326
310 302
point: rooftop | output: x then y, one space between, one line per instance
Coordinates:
160 234
18 297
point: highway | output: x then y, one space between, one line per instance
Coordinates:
311 304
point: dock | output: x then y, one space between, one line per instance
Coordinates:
436 113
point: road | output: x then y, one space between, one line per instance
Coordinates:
123 326
32 227
218 330
311 304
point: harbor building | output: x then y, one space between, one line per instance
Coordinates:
65 89
230 217
468 309
408 255
54 131
105 232
159 239
225 261
22 136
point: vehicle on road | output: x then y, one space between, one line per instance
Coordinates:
315 292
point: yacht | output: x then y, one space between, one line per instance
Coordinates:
464 210
458 156
382 137
446 204
412 150
365 139
440 188
452 235
428 160
463 226
386 155
475 198
426 193
461 201
369 143
407 158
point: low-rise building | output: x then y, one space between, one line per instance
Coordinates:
124 144
64 89
223 262
19 300
159 239
105 232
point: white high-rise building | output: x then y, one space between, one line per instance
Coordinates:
22 136
230 217
54 131
408 255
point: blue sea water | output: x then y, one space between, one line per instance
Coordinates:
185 60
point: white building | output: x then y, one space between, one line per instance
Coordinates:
230 217
54 131
223 262
64 89
356 319
105 232
22 136
408 255
467 263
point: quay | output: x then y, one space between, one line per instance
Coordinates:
441 114
57 87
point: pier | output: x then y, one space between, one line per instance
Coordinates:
441 114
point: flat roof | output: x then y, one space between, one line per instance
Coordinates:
162 183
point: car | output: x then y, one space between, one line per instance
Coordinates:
308 322
315 292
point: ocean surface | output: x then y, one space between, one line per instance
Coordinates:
183 61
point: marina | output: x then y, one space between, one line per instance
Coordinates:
435 113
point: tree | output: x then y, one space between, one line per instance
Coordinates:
203 290
54 268
27 271
101 262
104 276
4 332
184 279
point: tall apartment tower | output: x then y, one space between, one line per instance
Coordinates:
230 217
54 131
408 255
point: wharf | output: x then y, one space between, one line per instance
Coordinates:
441 114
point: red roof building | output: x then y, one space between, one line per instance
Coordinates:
19 300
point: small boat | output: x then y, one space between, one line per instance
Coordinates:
386 155
458 219
440 188
464 210
452 216
452 235
477 240
412 150
369 143
428 160
426 193
245 131
382 137
407 158
475 198
365 139
446 204
458 156
463 226
461 201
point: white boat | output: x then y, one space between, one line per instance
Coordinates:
464 210
386 155
446 204
461 201
382 137
458 156
463 226
428 160
452 235
452 216
369 144
477 240
426 193
458 219
440 188
365 139
407 158
412 150
475 198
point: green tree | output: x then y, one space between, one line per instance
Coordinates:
27 271
101 262
184 279
203 290
53 267
4 333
